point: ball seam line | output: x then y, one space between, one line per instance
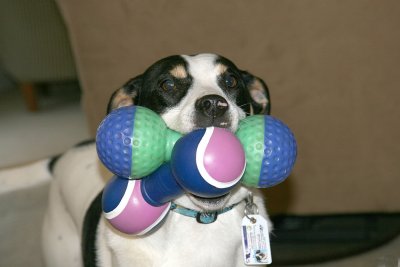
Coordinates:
124 201
200 151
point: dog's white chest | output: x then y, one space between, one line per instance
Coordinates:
181 241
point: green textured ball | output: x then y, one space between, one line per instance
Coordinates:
148 142
251 135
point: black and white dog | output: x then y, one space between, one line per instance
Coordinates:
188 92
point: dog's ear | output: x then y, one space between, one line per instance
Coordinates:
126 95
260 99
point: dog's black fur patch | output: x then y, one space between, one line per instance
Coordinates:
85 143
52 163
89 230
152 96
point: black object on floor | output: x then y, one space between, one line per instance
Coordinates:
318 238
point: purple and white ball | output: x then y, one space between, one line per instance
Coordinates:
208 162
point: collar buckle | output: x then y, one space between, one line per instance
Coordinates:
206 217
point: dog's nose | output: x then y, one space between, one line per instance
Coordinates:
212 105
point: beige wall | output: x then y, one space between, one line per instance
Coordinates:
333 68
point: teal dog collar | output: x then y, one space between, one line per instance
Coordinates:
201 217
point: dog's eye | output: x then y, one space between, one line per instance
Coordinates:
231 81
168 85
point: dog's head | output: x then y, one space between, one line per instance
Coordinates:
191 92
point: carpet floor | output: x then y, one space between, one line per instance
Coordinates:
26 136
25 139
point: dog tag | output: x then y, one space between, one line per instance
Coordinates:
255 240
255 235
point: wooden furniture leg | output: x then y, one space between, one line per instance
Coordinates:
29 95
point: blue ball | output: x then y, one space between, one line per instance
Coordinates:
280 152
113 141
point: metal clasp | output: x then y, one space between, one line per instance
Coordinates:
250 208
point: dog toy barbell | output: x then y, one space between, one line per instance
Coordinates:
134 141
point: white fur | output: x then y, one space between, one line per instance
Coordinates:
180 241
78 178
